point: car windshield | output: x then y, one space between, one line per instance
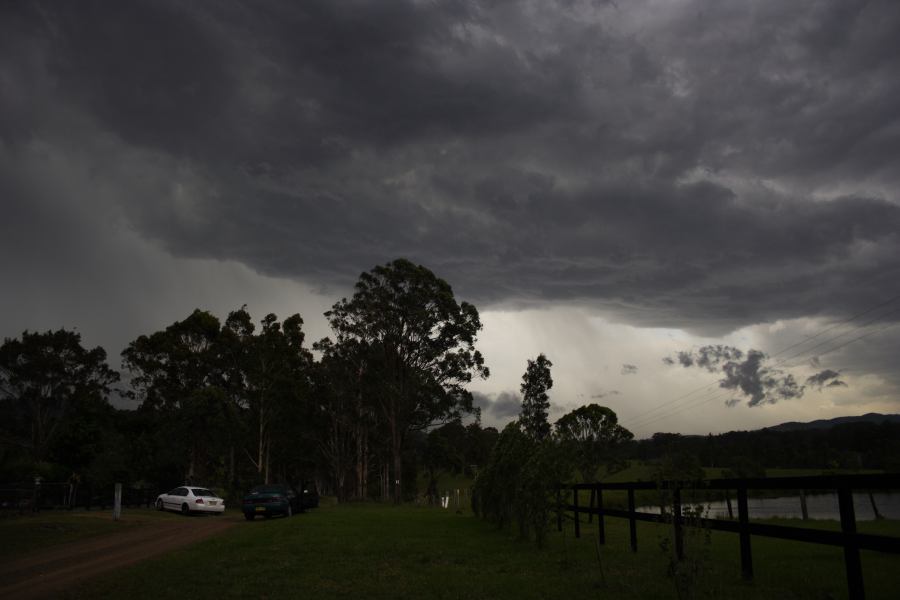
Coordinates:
267 489
203 492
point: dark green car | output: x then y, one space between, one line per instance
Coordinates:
271 499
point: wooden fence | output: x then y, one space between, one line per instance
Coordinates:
28 497
847 538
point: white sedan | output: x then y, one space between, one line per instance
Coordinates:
189 499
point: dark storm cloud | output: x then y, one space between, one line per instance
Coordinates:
747 373
761 384
709 357
502 406
697 165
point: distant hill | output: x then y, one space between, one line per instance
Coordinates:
829 423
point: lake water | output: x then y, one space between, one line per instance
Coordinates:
819 506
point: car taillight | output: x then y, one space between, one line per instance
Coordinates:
199 500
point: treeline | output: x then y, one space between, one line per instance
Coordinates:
518 485
234 402
860 445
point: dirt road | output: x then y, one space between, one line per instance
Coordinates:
46 573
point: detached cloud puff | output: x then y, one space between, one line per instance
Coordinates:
826 378
746 373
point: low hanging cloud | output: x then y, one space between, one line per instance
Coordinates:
504 405
629 369
476 138
745 373
823 379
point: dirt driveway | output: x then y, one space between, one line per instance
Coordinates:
47 572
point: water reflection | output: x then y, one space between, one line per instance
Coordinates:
819 506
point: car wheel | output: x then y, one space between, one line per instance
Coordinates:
185 509
159 504
249 516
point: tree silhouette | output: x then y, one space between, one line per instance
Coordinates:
41 377
592 434
535 402
423 345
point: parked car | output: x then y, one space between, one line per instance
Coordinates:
191 499
309 496
271 499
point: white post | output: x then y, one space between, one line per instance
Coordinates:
117 502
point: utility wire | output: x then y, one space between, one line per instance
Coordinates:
640 416
645 422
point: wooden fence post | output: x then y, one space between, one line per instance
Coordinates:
851 549
591 504
632 524
601 526
577 518
117 502
744 521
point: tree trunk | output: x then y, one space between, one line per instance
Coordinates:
192 464
231 477
360 463
804 512
267 461
260 453
397 456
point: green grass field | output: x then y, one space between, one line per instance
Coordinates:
375 551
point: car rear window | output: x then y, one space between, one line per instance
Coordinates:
203 492
267 489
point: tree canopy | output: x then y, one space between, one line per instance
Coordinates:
42 376
592 434
419 340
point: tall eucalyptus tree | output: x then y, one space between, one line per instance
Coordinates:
423 348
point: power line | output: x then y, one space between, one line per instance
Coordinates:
645 422
643 415
783 350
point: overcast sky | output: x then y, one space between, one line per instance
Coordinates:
646 191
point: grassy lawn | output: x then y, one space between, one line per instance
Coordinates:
373 551
23 534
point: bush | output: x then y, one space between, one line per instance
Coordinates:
519 483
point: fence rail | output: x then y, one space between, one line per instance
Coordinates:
847 538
